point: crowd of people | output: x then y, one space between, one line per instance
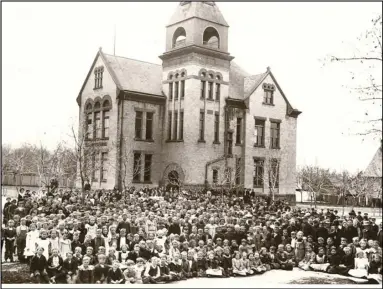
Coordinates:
162 235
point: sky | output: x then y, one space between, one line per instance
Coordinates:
48 48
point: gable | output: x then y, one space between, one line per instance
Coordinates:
374 168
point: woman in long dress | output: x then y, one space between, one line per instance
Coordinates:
31 240
361 266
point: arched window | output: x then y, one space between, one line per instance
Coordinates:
97 105
211 38
106 104
182 86
105 118
179 37
88 107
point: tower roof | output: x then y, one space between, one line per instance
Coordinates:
206 10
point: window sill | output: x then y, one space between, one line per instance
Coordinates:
143 140
216 143
201 141
276 148
259 146
171 140
104 181
97 139
94 181
238 144
229 155
210 99
139 182
270 104
95 88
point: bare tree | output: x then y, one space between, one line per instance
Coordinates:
315 180
367 56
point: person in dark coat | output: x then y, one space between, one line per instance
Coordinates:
334 260
133 255
124 224
10 237
85 272
174 228
54 267
152 273
115 275
69 268
38 267
347 262
101 270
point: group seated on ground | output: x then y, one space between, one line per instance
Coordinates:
162 235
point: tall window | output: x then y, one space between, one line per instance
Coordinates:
89 125
171 91
259 133
215 176
210 90
176 90
137 167
97 119
275 135
268 97
181 136
229 143
238 172
96 167
149 125
258 173
239 131
138 125
217 91
148 168
104 171
216 127
274 173
203 88
202 126
98 77
105 132
175 127
182 89
228 175
169 125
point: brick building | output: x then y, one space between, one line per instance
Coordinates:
198 119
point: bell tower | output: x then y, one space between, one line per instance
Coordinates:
196 66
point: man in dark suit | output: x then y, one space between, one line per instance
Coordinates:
174 228
98 241
124 224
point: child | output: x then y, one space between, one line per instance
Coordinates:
65 244
238 269
10 237
201 265
283 258
70 268
165 271
334 261
256 264
92 228
31 240
44 243
265 258
115 275
130 273
300 246
54 242
54 270
152 272
213 268
290 255
175 267
320 264
361 266
375 269
76 242
273 260
245 263
227 262
140 268
21 232
101 270
77 255
308 259
123 255
89 254
111 256
38 266
85 272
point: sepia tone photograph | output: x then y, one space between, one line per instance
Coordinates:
195 144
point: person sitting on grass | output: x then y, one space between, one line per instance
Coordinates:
54 270
115 275
130 272
213 268
308 259
38 266
70 268
282 258
320 264
152 274
85 272
101 270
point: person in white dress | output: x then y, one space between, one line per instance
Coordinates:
65 245
361 266
31 241
44 242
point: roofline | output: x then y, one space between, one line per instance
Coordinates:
111 72
290 110
183 20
